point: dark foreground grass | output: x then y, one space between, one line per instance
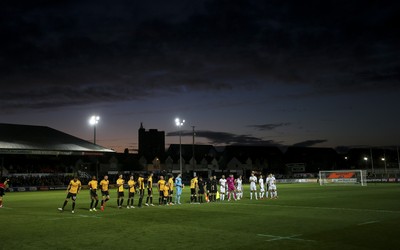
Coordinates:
305 216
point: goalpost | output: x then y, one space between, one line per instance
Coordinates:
343 177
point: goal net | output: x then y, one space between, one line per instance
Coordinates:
343 177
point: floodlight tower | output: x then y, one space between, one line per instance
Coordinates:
94 120
179 124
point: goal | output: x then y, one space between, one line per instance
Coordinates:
343 177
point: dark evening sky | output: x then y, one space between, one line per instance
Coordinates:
309 73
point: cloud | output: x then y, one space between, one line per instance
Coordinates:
269 126
309 143
74 53
224 138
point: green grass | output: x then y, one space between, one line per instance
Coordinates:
306 216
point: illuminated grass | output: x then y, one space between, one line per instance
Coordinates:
305 216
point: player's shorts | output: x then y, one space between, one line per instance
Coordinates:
271 187
262 189
93 193
253 186
231 188
2 193
72 196
171 192
239 189
222 190
193 191
149 191
131 194
105 193
201 191
120 194
161 193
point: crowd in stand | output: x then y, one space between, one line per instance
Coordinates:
48 180
21 169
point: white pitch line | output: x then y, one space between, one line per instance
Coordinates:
77 216
277 237
368 222
89 216
322 208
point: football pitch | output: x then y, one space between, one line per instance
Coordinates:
305 216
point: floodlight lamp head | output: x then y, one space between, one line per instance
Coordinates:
94 120
178 122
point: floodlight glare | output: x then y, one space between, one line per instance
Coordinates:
178 122
94 120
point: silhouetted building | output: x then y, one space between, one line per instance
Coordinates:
244 159
151 144
204 162
313 159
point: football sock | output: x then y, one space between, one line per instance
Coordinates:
73 205
65 203
91 204
140 201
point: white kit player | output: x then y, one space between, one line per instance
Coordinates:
262 188
253 186
222 187
272 186
239 188
267 183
